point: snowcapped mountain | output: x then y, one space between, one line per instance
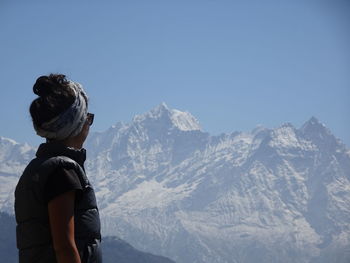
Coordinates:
271 195
13 159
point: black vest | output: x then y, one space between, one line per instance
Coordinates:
33 230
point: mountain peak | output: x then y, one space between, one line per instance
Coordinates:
318 133
313 121
4 141
312 125
183 121
160 110
7 141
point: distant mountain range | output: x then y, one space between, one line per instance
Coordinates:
167 187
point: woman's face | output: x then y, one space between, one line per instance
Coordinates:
84 132
81 137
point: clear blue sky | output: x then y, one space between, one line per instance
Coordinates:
232 64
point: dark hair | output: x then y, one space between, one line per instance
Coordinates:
55 96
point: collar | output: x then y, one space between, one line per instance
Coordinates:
52 149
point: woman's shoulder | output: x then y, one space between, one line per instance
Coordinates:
62 180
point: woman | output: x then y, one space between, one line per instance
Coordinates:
55 205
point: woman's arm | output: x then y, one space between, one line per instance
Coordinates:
61 215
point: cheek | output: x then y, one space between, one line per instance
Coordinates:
85 130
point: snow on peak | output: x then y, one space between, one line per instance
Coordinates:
258 129
312 125
317 132
160 109
4 140
313 120
284 136
155 113
183 121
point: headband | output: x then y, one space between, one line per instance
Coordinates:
70 122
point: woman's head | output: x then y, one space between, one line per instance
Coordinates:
60 111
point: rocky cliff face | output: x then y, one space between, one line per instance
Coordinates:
271 195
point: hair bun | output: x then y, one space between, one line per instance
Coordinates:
50 85
55 96
43 86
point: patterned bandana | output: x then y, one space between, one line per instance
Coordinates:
70 122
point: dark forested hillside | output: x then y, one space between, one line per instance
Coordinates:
114 249
117 250
8 250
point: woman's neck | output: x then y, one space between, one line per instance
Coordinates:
71 143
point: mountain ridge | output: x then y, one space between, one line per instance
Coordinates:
261 195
